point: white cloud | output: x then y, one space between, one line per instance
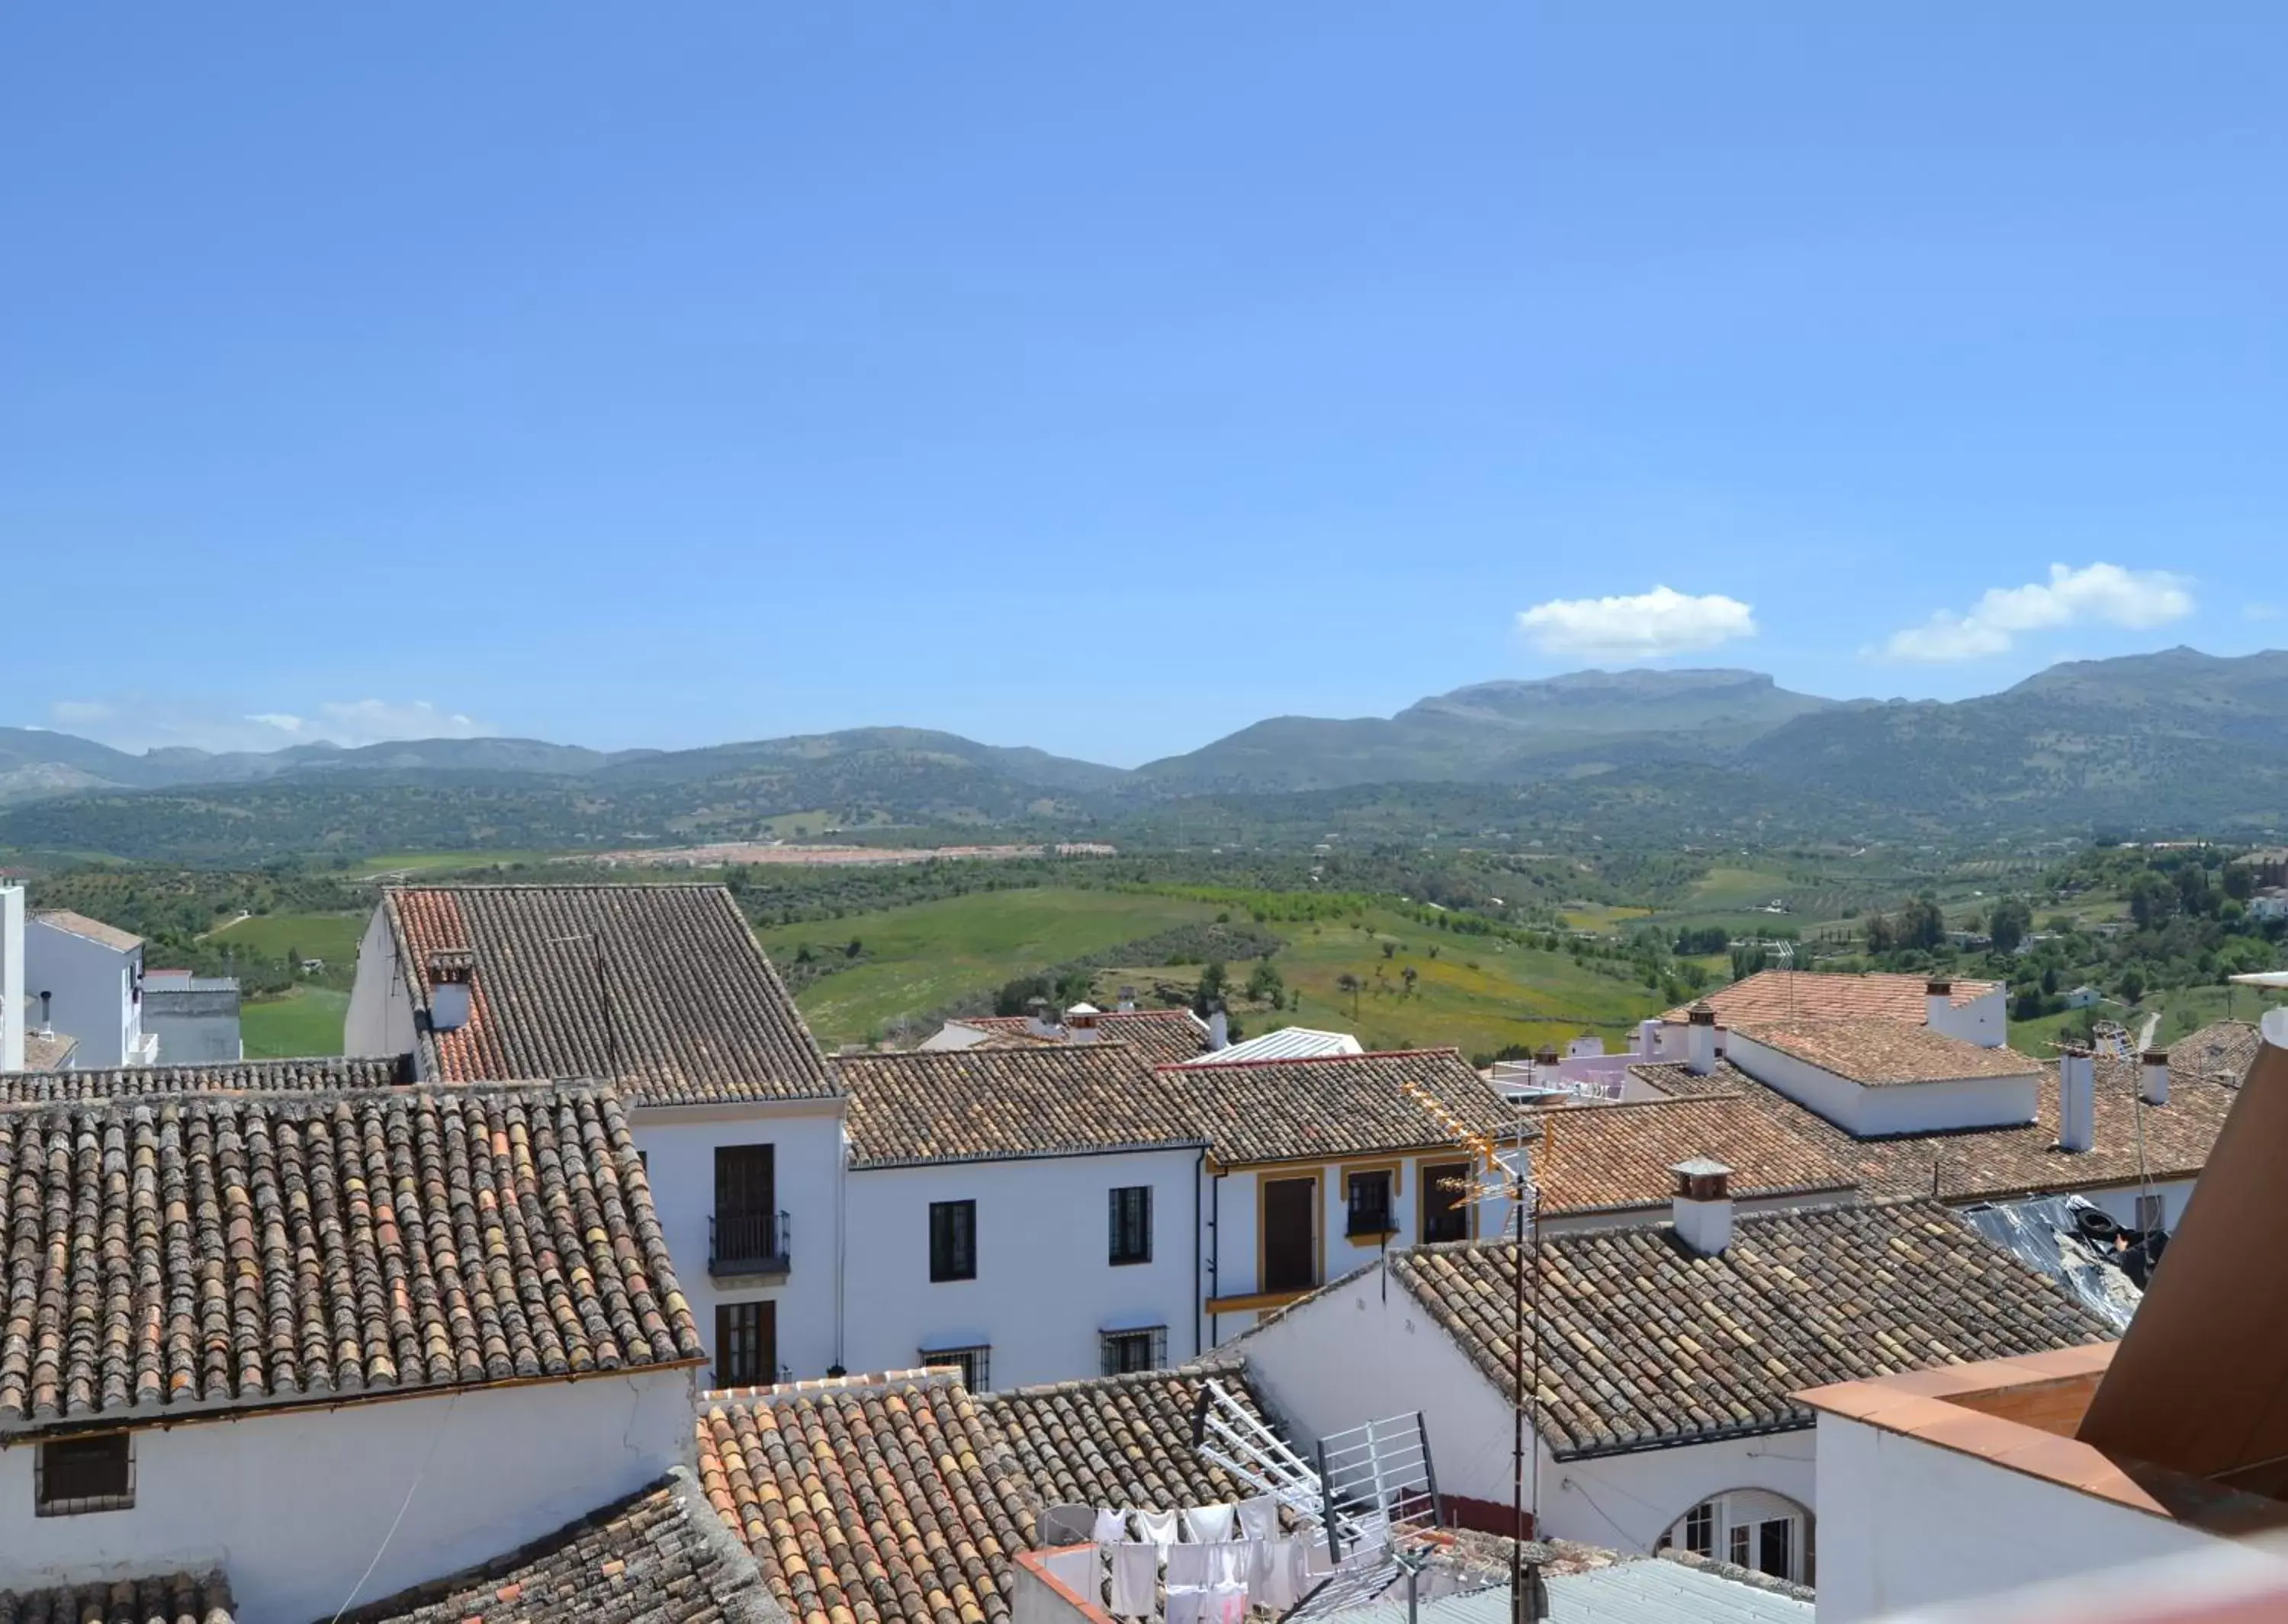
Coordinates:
2097 594
1647 626
137 721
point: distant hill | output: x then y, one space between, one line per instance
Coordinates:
2177 742
1497 732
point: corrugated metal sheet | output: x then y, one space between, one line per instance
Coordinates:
1287 1043
1647 1592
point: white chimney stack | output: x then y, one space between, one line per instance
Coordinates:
2076 1100
1080 1024
1700 1038
11 977
1703 1205
1648 1039
1219 1030
2154 1081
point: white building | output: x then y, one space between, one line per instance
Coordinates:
86 979
13 1012
1665 1358
1960 1483
1027 1213
1316 1164
663 991
193 1019
326 1297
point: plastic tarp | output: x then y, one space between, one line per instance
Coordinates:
2044 1234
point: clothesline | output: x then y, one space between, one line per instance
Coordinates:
1210 1574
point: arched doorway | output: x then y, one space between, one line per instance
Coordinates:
1750 1528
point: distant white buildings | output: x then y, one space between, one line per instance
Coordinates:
86 979
194 1019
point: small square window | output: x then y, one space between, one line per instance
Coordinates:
1128 1352
84 1474
953 1240
975 1365
1370 1204
1131 1224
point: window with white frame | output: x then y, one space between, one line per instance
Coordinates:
1700 1529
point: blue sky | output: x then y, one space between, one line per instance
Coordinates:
1106 379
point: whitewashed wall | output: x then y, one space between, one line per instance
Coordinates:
2119 1201
94 992
292 1507
12 979
1045 1288
679 1146
1906 1524
1898 1108
1628 1501
380 1018
1234 1209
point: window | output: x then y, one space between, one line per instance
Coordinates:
953 1240
1700 1529
2150 1211
974 1364
746 1344
84 1474
1371 1211
1739 1535
1126 1351
746 1205
1446 1201
1776 1547
1131 1224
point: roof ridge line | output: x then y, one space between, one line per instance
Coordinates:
1208 1059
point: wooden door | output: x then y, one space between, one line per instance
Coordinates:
1290 1242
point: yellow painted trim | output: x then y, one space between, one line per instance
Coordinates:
1374 1240
1254 1303
1318 1223
1393 1166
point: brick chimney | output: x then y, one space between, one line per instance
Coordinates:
2153 1078
1703 1205
2076 1100
1700 1038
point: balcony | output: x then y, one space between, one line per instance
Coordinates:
747 1243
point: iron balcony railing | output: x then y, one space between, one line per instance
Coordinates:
748 1243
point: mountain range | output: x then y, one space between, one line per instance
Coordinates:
2177 741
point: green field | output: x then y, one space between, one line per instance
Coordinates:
331 937
923 957
306 1021
2182 1010
445 862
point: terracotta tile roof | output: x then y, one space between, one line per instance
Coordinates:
1161 1035
698 1015
659 1557
164 1599
869 1499
1782 995
1118 1441
1875 1053
1998 1163
2221 1052
211 1077
901 1499
1645 1343
1602 1158
90 930
240 1251
985 1104
1342 1104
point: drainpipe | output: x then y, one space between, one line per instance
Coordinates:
1199 1176
841 1228
1215 1242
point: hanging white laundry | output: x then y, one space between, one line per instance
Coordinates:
1263 1559
1226 1605
1280 1582
1191 1567
1259 1518
1135 1580
1111 1528
1208 1524
1187 1607
1159 1527
1228 1563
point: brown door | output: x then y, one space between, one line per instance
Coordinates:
1291 1248
746 1344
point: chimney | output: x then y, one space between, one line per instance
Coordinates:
450 976
1038 1021
2076 1100
1219 1029
1703 1205
2154 1078
1648 1044
1700 1038
1938 1004
1127 999
1080 1023
47 1027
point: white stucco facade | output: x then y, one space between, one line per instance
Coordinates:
1045 1290
12 979
1233 1233
1892 1108
1907 1524
94 992
1362 1352
380 1017
292 1506
678 1145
